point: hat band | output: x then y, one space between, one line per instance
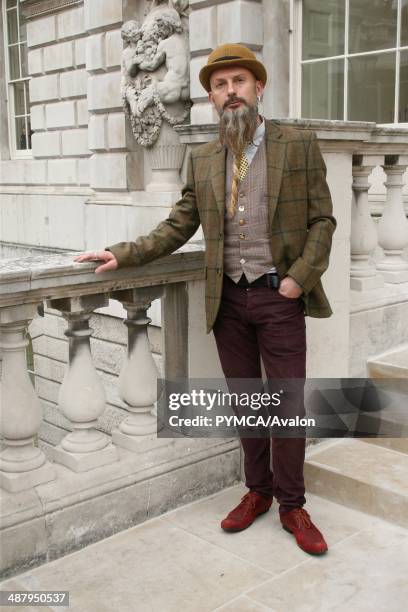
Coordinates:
228 57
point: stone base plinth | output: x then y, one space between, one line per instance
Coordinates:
399 276
20 481
138 444
365 283
83 462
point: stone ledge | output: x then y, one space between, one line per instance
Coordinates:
32 279
369 133
390 294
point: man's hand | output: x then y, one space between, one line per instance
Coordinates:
106 256
289 288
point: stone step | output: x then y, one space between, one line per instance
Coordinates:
370 477
391 364
397 444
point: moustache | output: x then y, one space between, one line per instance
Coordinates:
232 101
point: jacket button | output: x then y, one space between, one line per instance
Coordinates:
242 236
241 222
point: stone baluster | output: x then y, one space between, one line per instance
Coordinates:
363 275
82 396
139 374
22 463
393 225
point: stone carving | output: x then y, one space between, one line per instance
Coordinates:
155 69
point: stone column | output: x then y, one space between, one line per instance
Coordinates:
22 463
82 396
175 330
393 226
139 374
363 274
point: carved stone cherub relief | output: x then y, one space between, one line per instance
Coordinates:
155 69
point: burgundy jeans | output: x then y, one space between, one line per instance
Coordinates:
260 322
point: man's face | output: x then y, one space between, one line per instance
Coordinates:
233 88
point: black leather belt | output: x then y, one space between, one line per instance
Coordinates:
270 279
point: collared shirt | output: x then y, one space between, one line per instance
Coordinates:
251 150
252 147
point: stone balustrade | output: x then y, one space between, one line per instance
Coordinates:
392 234
76 292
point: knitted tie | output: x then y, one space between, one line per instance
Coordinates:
239 170
242 166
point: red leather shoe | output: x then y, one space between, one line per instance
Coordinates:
242 516
307 535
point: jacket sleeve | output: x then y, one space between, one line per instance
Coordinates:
181 224
308 268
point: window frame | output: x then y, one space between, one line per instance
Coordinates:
15 153
296 62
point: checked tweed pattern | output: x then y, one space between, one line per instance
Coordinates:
300 220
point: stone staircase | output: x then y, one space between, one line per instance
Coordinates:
368 474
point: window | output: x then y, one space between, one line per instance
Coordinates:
15 37
353 60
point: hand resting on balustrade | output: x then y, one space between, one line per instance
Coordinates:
110 260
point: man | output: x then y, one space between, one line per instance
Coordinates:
261 196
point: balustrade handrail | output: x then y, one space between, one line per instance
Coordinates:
364 135
36 278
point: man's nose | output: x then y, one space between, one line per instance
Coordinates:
231 88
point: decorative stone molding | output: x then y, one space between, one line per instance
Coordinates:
155 70
82 397
393 225
35 8
23 464
363 240
139 375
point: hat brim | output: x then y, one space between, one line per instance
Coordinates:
254 66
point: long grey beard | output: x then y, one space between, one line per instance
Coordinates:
237 127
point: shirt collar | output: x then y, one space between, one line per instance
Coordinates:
259 133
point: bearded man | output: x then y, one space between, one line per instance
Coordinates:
261 195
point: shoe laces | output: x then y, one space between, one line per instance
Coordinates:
302 518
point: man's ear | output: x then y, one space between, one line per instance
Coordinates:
210 98
259 88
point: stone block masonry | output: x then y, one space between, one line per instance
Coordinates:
212 23
58 95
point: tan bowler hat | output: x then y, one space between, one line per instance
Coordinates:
228 55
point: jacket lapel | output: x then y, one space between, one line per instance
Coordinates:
218 161
275 159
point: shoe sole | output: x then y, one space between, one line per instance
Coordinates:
315 554
232 530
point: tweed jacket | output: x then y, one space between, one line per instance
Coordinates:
300 221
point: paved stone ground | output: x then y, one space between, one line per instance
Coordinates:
184 562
